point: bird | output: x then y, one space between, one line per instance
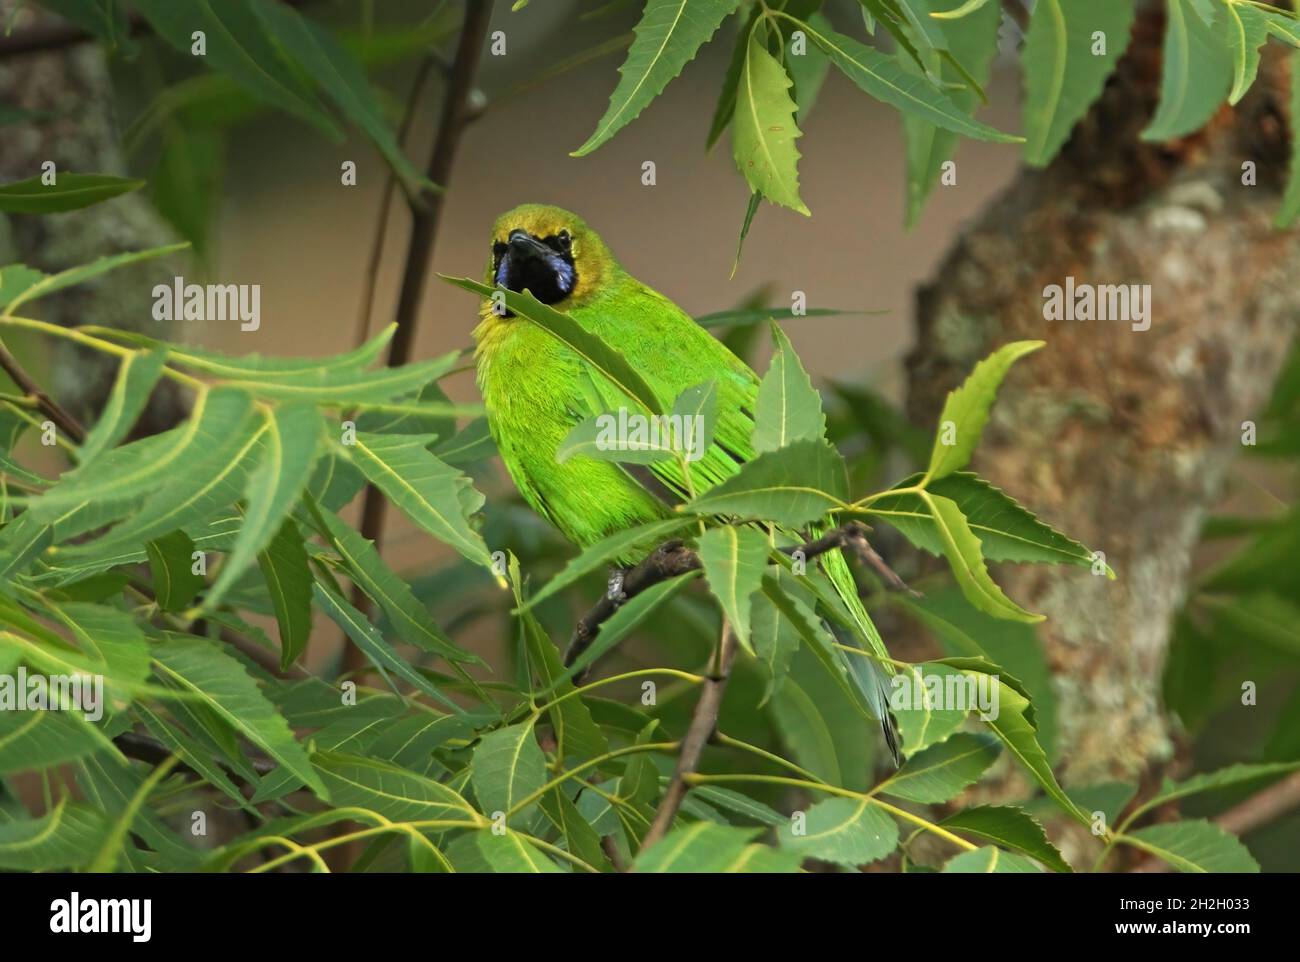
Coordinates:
536 390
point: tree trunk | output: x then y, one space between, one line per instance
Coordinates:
71 90
1121 438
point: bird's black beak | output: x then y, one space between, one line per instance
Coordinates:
523 262
525 247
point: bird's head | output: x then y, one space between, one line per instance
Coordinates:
550 252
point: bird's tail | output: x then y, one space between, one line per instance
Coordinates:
870 674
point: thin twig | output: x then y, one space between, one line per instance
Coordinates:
426 212
704 722
64 421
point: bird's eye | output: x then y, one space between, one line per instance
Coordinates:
565 240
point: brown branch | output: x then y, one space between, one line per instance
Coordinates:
704 722
426 212
64 421
1016 10
146 748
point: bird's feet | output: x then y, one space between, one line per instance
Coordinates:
614 590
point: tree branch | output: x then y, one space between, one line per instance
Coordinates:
146 748
426 212
64 421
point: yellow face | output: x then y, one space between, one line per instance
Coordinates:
548 251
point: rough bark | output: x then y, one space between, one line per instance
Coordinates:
1118 437
71 89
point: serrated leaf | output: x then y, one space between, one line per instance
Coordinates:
509 852
390 790
240 48
763 130
885 80
700 847
962 549
846 831
1211 781
1063 74
967 409
42 285
372 643
434 495
1194 846
788 408
68 192
31 740
793 486
989 860
508 766
66 837
667 38
1011 828
136 376
223 685
286 458
1245 30
288 581
734 560
405 613
1007 530
1196 74
940 772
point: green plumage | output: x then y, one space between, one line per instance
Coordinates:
537 390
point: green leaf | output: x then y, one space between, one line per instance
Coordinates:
31 740
1290 206
966 410
1006 529
788 407
846 831
595 352
394 792
940 772
763 131
618 547
68 192
1212 781
1260 617
239 46
793 486
1245 30
106 858
579 837
776 637
472 444
1011 828
808 70
667 37
372 643
66 837
1196 74
21 540
1194 846
882 78
974 45
734 560
989 860
171 563
215 424
508 766
288 581
287 455
404 611
962 549
434 495
699 847
341 77
35 285
223 686
510 853
1063 75
745 316
726 105
924 718
136 377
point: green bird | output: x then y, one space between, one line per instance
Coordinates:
536 390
